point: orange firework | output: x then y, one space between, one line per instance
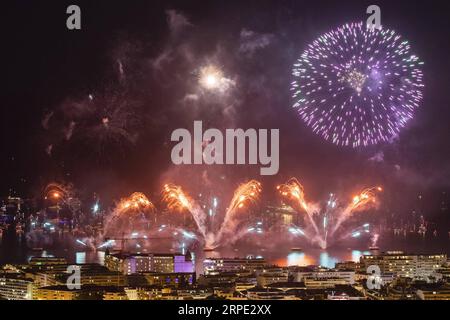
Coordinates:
293 189
135 202
56 191
362 200
247 192
175 198
244 194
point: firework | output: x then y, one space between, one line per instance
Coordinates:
130 214
103 121
113 120
357 86
246 194
331 218
136 202
62 194
177 199
362 201
295 191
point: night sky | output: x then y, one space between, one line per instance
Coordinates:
146 54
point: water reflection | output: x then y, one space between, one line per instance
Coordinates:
328 261
298 259
305 258
356 255
80 257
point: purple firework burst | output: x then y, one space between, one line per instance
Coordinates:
357 86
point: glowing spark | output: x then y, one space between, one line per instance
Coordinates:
356 86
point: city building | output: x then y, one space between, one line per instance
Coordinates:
89 292
175 279
15 287
414 266
322 277
269 294
267 276
218 265
151 262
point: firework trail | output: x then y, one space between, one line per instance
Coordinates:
177 199
357 86
130 213
356 233
360 202
246 193
113 120
374 240
294 190
62 194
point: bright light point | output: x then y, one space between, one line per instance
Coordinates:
356 234
210 77
81 242
211 81
188 235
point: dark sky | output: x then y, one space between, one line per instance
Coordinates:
47 70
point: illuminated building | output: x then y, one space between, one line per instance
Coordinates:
61 292
219 280
269 294
129 264
216 265
164 263
267 276
417 267
349 265
328 282
243 286
55 293
15 287
322 277
152 262
98 278
344 292
170 279
47 261
54 275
